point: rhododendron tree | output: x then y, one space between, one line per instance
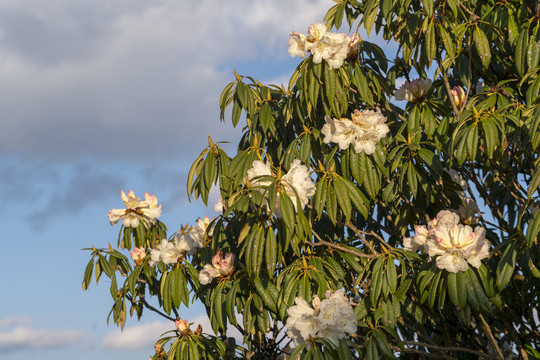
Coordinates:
375 206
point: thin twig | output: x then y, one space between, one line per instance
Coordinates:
339 247
489 334
150 307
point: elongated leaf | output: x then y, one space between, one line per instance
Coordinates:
506 266
522 44
481 44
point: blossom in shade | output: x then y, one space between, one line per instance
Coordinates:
330 318
221 266
219 207
138 254
363 131
334 48
296 182
454 245
414 90
136 210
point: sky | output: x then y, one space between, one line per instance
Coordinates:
100 96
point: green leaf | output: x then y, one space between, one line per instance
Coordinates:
533 49
472 142
447 41
532 229
506 266
361 203
491 133
481 43
376 281
391 274
87 278
319 199
522 44
287 210
430 41
343 197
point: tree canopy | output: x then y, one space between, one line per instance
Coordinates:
376 205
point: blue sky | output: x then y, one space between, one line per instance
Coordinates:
99 96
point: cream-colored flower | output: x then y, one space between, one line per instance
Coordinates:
302 321
137 210
335 48
413 90
221 266
457 246
298 45
330 318
363 132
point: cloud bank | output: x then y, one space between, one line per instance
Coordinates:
18 334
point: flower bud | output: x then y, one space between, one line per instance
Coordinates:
216 260
182 326
138 254
458 94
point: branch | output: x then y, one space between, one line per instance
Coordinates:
489 334
515 336
150 307
360 235
339 247
448 348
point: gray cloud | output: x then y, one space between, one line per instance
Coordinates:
138 81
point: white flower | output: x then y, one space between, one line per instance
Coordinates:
458 246
330 318
258 170
458 179
336 317
221 266
413 90
219 207
363 132
455 245
302 321
297 45
207 274
467 211
335 48
296 182
137 210
315 33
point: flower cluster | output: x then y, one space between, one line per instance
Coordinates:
363 132
335 48
330 318
296 182
455 246
413 90
137 210
221 266
170 251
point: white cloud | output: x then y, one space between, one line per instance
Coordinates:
17 334
144 336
